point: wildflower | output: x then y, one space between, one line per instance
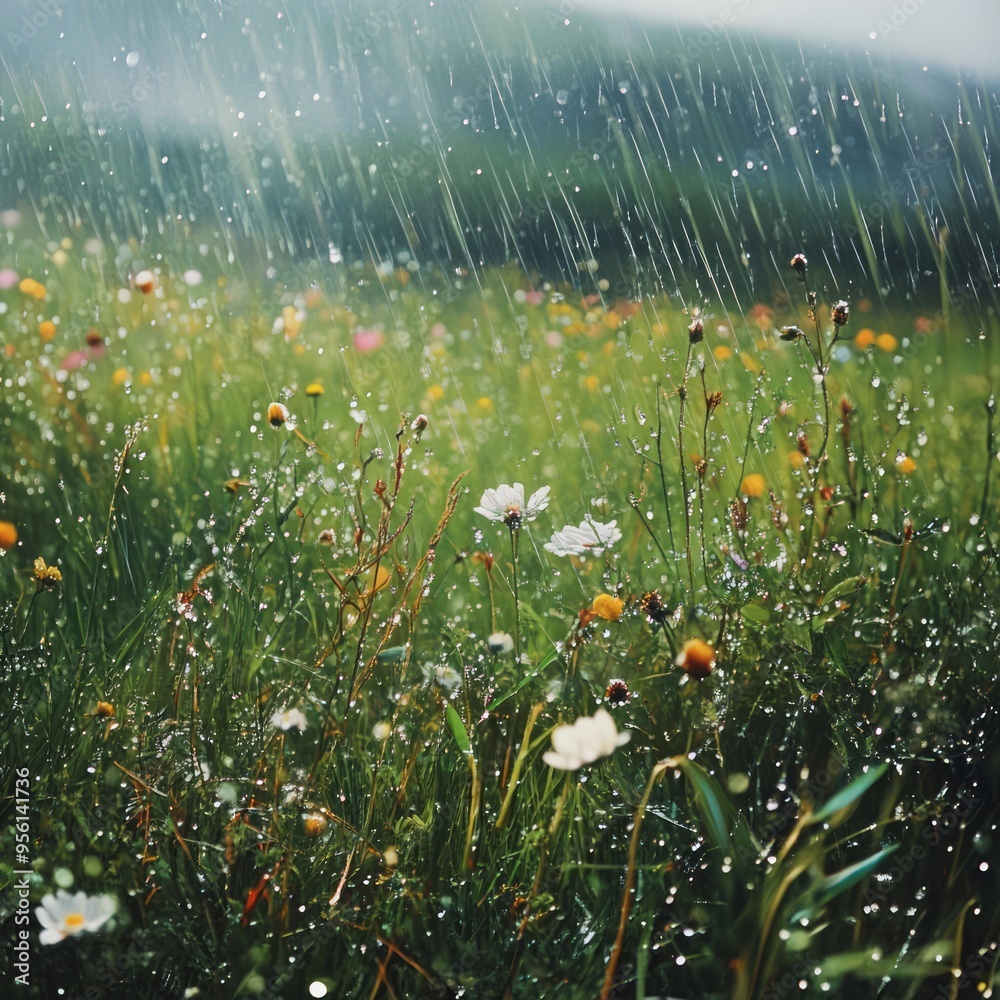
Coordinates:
442 676
291 718
722 353
382 731
886 342
791 333
391 857
589 537
419 424
314 389
145 281
608 607
368 340
617 693
94 339
499 643
840 313
47 577
29 286
326 537
65 914
46 330
8 278
696 659
104 710
8 535
865 337
799 264
589 738
506 503
905 464
277 415
654 609
696 331
314 823
752 485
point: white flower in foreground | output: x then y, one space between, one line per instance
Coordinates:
500 642
65 914
291 718
506 503
590 537
582 743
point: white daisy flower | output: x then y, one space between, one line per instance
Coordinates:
589 738
65 914
590 537
506 504
291 718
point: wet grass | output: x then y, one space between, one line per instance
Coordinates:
814 815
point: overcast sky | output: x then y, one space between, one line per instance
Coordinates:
940 33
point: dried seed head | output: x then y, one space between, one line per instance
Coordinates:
419 423
617 693
696 331
790 333
653 608
802 443
840 313
799 264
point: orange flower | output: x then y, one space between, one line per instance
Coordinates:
46 330
864 338
906 465
608 607
886 342
696 659
104 709
8 535
752 485
277 415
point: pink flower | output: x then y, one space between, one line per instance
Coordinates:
8 278
370 339
74 360
535 298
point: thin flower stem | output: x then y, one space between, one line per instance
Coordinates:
684 487
508 800
663 475
514 540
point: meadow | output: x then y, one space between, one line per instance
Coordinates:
302 716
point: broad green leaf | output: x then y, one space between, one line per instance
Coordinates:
849 586
457 728
797 632
716 810
756 615
850 794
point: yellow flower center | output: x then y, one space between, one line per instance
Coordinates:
75 922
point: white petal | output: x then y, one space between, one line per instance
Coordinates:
560 762
565 740
50 937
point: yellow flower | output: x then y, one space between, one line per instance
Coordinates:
104 709
906 465
314 389
592 383
723 353
752 485
47 577
696 659
484 403
886 342
435 392
796 459
607 607
46 330
121 376
31 287
864 338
